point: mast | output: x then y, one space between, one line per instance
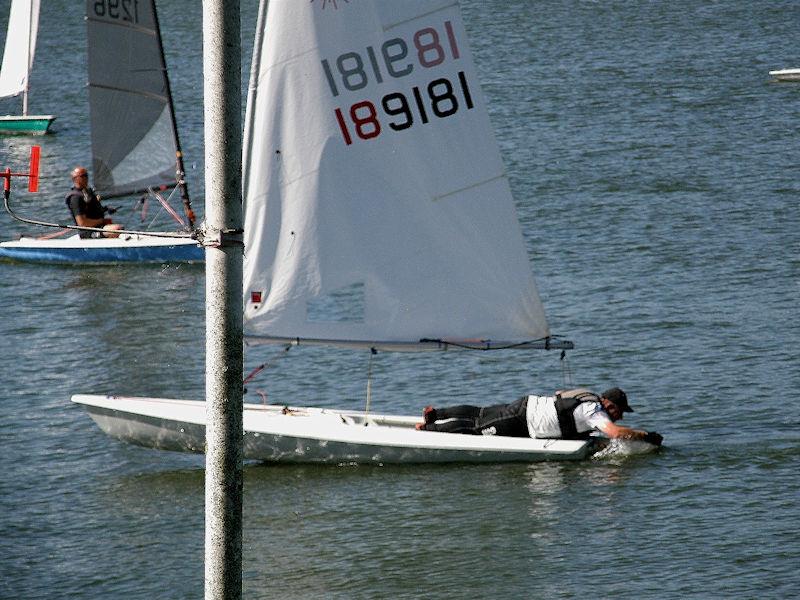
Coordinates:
27 61
180 171
252 93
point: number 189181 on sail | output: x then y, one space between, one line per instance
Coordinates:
396 58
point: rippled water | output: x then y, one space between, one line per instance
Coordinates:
652 161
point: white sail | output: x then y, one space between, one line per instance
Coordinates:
377 215
378 212
23 27
133 134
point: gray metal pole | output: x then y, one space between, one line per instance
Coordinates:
224 251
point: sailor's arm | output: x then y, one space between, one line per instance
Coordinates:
85 221
613 430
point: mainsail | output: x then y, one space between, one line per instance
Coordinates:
134 139
23 27
378 212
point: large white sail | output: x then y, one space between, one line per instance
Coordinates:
23 27
378 212
133 134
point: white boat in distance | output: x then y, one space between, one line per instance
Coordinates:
20 47
378 216
786 74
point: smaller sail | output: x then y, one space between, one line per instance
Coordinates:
133 134
23 26
378 212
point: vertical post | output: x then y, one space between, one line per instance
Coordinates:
223 152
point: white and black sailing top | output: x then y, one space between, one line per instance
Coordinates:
543 421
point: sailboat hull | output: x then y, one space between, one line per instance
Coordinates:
25 125
313 435
124 249
786 74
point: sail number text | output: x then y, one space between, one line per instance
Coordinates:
429 50
394 59
124 10
438 98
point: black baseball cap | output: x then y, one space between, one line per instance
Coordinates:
618 397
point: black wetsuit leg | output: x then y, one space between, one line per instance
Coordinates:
505 419
462 418
500 419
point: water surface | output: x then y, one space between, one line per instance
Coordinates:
653 166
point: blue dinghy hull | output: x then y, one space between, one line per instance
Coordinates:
124 249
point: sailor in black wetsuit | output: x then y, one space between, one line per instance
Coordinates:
570 415
86 209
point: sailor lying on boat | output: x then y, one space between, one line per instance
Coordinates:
569 415
86 209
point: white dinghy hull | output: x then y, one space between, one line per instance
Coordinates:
786 74
317 435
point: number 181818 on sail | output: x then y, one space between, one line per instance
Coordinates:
396 58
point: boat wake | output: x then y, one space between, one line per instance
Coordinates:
619 448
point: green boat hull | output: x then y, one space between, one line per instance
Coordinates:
29 125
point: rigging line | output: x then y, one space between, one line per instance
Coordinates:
253 373
158 213
372 353
143 203
163 234
104 195
165 203
487 343
261 367
566 372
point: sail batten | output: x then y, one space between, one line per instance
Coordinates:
123 27
366 119
128 90
388 27
470 186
